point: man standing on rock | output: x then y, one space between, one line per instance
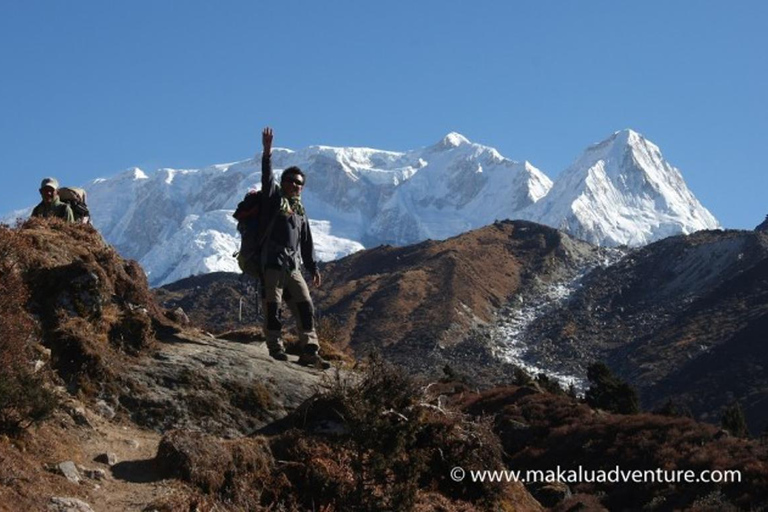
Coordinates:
51 205
284 228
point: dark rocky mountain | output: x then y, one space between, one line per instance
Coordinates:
682 319
421 300
218 302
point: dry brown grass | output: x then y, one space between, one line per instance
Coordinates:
544 431
93 305
380 442
91 308
331 334
24 397
237 472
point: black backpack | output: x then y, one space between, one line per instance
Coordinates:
247 215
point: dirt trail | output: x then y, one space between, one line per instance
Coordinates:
130 484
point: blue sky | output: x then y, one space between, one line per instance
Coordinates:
90 88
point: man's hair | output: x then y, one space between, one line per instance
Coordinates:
292 171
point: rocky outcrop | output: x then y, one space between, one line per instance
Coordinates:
197 382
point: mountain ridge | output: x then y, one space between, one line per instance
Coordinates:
176 221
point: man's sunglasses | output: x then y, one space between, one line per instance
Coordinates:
298 183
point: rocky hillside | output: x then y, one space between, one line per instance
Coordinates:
110 402
680 319
545 431
423 305
109 340
217 302
82 330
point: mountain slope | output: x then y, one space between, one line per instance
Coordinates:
680 319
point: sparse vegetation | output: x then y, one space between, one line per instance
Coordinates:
330 333
24 398
549 384
378 441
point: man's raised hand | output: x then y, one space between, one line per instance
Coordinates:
266 140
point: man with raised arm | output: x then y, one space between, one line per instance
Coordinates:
284 227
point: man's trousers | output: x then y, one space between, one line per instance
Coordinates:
279 284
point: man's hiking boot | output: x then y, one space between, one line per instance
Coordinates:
278 354
313 360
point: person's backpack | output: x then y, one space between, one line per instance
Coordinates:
76 199
247 215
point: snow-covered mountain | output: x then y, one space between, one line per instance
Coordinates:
459 186
178 223
621 192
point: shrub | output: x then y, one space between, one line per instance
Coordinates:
331 336
24 400
733 420
237 471
402 442
549 385
608 392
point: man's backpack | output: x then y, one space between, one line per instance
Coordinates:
76 199
247 215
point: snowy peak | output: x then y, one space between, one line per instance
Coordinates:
452 140
622 191
614 151
131 174
621 138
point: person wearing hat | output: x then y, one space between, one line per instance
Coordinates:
51 205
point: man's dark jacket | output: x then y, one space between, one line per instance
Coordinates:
290 234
